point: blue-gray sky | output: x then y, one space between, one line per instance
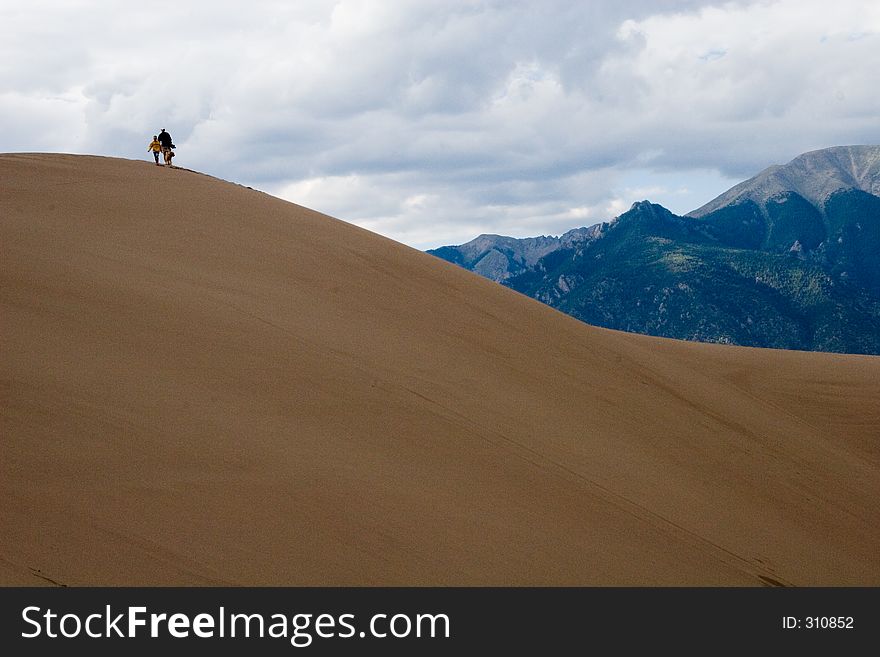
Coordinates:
431 121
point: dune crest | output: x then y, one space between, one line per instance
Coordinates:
202 384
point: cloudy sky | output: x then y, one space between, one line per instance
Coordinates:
431 121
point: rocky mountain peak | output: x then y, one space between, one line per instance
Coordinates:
814 175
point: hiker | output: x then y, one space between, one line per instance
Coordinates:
155 147
166 145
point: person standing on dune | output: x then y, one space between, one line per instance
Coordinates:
155 147
166 145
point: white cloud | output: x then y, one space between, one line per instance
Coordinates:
434 120
42 121
738 84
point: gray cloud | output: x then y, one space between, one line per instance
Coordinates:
431 121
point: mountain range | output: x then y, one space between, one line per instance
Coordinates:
787 259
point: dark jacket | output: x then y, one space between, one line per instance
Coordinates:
165 139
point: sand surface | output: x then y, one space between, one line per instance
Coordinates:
201 384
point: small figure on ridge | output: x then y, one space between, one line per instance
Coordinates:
167 146
155 147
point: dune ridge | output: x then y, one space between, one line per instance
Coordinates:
206 385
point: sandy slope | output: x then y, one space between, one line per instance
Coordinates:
202 384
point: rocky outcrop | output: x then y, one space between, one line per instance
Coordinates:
499 258
814 176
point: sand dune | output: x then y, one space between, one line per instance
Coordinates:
202 384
